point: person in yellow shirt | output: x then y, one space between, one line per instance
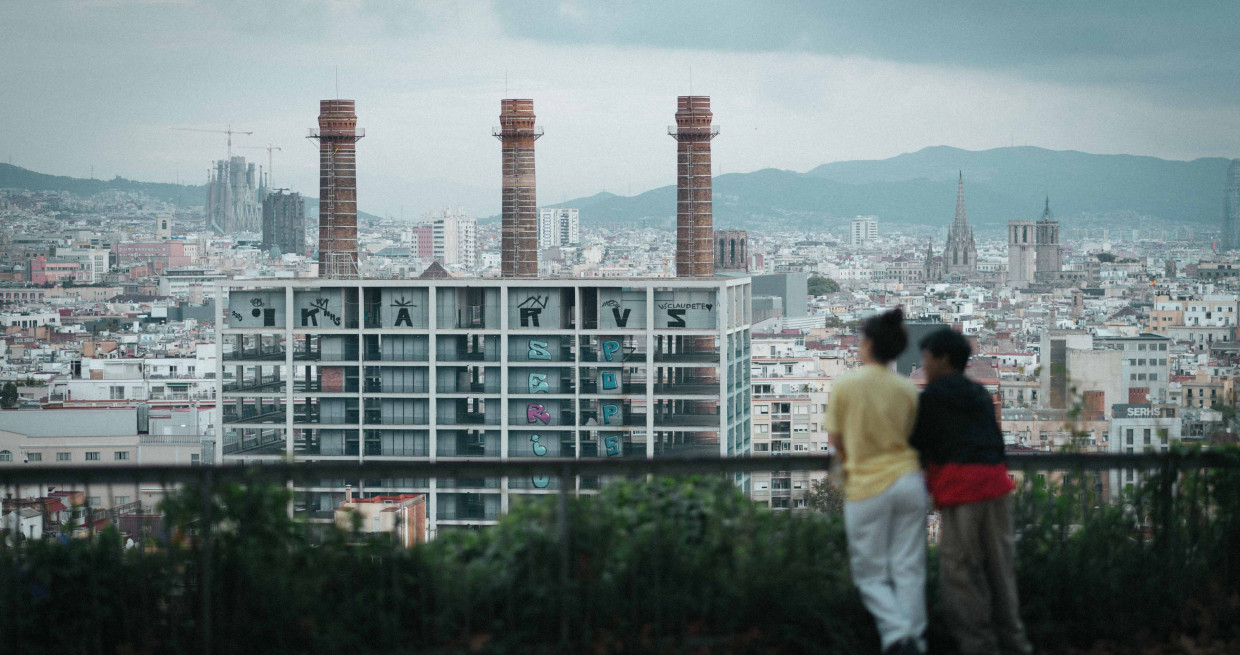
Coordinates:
870 417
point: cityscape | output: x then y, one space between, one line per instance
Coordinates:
503 372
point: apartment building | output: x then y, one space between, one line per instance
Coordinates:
446 368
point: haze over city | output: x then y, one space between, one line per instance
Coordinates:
795 85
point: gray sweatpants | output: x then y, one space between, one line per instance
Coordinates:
887 553
978 578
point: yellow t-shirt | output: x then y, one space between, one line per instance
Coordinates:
873 410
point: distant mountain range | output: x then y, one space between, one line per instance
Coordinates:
916 188
181 195
920 188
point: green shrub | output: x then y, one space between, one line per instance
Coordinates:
670 566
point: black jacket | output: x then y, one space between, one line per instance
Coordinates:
956 423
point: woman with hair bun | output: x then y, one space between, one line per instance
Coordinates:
870 417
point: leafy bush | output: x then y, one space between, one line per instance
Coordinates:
1159 563
671 566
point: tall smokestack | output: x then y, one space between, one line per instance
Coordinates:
337 137
694 215
519 229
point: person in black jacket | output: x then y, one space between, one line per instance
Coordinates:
961 448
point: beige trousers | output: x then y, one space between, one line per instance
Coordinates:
978 578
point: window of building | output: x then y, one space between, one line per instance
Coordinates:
6 455
92 456
1147 436
35 457
116 392
122 500
64 457
195 459
1129 436
120 455
93 501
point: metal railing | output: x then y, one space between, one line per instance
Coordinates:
209 630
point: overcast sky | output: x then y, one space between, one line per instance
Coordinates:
794 84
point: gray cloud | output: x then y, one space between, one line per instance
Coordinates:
1170 48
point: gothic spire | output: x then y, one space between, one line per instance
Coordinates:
1046 213
960 217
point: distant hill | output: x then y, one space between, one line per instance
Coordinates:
181 195
920 188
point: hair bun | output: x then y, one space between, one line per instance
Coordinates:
893 317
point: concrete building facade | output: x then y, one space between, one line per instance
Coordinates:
558 227
1231 207
864 230
481 368
284 222
1022 254
454 237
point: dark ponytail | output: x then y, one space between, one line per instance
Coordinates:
887 335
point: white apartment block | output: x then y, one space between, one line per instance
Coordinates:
456 239
94 261
864 230
558 227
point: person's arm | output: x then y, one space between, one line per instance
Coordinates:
836 441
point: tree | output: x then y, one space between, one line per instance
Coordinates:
825 498
8 395
1105 257
821 285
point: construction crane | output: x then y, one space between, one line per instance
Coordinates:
230 131
270 176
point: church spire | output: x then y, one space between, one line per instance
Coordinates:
960 217
1046 213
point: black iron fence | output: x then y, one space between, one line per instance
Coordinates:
670 558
